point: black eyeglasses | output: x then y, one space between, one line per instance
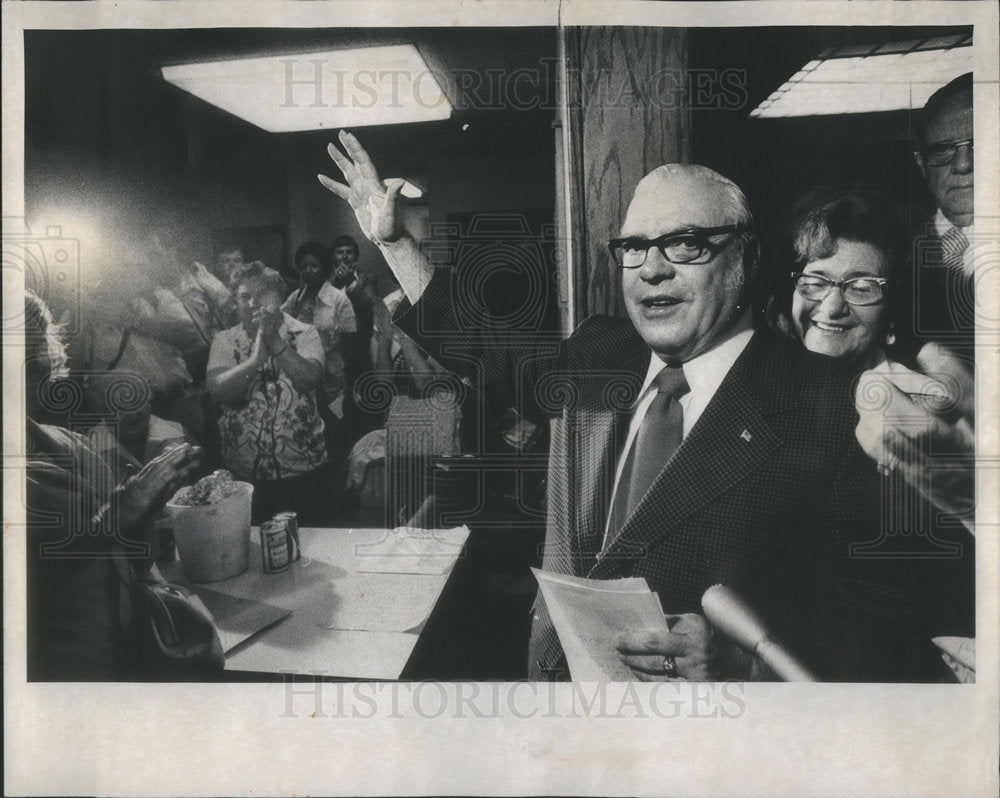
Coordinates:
856 291
690 245
943 152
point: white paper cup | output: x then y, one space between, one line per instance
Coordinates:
213 540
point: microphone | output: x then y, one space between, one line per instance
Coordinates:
732 616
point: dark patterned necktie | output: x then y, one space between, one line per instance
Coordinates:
953 245
659 436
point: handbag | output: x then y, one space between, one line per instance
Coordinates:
172 634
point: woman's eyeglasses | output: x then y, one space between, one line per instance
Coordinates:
856 291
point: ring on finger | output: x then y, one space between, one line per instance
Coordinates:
669 666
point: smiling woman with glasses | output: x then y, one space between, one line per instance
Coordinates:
847 286
864 290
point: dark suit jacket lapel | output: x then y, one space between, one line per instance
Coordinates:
597 431
733 437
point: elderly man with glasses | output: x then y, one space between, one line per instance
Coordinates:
930 444
943 267
933 446
686 447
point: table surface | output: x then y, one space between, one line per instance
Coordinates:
379 615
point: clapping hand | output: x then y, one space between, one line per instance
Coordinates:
366 285
908 418
936 360
145 493
374 204
258 354
268 320
363 288
380 311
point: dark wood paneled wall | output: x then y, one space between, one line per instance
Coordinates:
627 114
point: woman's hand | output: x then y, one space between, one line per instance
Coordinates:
374 204
268 321
258 354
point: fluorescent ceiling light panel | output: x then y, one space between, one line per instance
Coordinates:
888 77
320 90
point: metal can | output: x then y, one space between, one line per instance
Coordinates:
274 546
291 519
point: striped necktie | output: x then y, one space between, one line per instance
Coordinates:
953 245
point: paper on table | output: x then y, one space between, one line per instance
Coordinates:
589 614
326 652
412 551
237 619
398 603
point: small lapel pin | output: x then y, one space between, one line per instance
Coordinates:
745 435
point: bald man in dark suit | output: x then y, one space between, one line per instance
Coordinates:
686 447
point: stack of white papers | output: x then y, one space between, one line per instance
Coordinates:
590 614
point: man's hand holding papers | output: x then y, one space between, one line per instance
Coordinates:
590 614
686 648
615 630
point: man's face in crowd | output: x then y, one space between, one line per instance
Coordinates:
229 262
951 184
344 259
682 310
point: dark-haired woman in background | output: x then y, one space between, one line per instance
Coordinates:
329 310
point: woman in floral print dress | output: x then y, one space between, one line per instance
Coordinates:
264 372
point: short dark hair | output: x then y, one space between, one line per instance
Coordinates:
345 241
318 250
867 214
960 85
